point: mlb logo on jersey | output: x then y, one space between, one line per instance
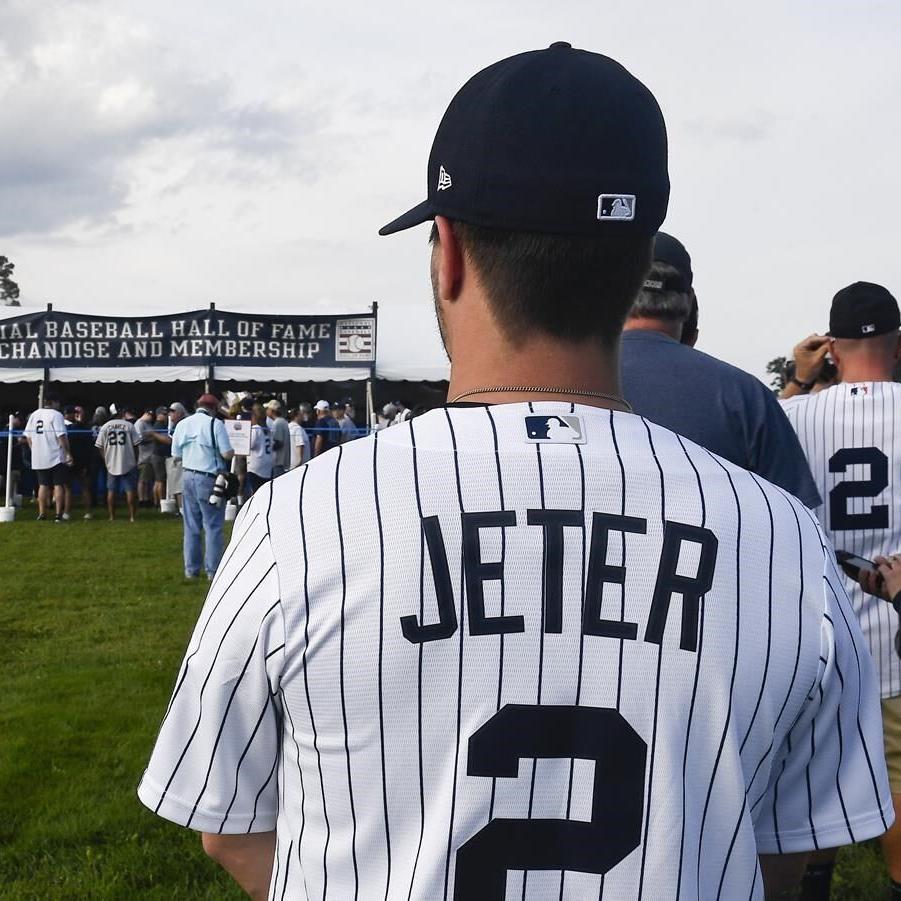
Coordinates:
554 430
620 207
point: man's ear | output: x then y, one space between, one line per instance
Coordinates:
898 348
449 261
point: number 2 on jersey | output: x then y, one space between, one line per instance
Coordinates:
840 520
526 731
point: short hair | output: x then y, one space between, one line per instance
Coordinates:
656 303
569 287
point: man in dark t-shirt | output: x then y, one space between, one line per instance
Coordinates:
718 406
81 443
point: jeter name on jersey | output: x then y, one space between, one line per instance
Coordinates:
483 656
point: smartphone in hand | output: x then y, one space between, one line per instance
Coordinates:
851 564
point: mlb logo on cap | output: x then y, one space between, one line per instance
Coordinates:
620 207
554 430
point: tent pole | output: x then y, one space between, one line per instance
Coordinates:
42 391
9 462
210 383
370 384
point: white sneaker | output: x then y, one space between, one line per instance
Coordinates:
66 517
89 516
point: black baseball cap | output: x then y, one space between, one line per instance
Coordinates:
557 141
671 251
863 310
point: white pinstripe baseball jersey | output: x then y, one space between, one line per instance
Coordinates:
45 427
848 433
525 651
261 456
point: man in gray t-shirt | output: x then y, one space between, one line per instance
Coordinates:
118 441
281 438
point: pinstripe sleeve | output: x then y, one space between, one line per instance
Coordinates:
829 785
213 765
776 451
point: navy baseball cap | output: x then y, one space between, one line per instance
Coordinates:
863 310
671 251
557 141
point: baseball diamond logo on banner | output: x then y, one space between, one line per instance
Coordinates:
356 339
204 337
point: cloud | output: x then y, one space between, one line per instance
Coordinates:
88 95
754 127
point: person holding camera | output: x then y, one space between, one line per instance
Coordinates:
201 443
849 435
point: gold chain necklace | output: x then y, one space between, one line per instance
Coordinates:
543 389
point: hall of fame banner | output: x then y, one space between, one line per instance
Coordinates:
201 338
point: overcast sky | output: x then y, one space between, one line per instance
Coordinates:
160 156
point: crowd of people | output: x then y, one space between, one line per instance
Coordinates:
64 456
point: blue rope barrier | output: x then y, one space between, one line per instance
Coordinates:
358 432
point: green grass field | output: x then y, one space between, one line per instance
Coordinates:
94 619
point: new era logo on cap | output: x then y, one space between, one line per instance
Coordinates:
868 329
616 206
444 179
554 430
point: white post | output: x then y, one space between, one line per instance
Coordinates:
370 406
8 512
9 462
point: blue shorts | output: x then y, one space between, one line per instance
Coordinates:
123 483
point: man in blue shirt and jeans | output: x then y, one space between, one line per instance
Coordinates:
202 444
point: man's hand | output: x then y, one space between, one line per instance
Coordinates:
885 583
810 355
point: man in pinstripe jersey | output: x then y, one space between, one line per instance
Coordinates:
848 433
549 650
